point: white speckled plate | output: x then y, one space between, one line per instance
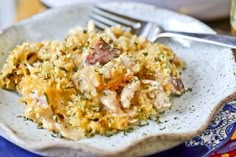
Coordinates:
210 73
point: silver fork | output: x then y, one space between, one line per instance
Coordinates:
104 18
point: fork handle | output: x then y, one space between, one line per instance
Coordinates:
222 40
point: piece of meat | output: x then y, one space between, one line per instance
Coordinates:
177 86
110 101
39 100
154 95
86 81
128 93
109 70
102 53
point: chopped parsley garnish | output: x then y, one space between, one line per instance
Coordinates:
46 96
63 69
189 90
66 48
162 112
163 128
95 108
128 129
58 135
176 94
27 119
40 126
157 59
69 87
108 133
145 53
82 96
55 118
143 123
75 69
75 48
87 44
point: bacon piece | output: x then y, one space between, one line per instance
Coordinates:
102 53
177 85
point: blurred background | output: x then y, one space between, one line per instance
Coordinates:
12 11
213 12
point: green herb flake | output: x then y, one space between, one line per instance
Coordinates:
162 112
85 31
157 59
75 48
176 95
143 123
157 119
75 69
140 110
63 69
144 134
163 128
145 53
73 114
40 126
95 108
128 129
58 135
108 133
27 119
66 48
189 90
94 119
116 55
46 96
82 96
54 117
90 135
69 87
87 44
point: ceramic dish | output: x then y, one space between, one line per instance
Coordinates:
210 74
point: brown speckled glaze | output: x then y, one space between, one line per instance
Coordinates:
210 74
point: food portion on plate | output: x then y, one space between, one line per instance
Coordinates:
93 82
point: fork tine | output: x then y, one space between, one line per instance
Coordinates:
118 15
118 18
103 22
99 25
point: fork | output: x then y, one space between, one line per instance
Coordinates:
104 18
